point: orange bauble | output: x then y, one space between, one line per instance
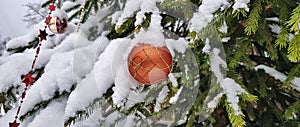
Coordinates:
148 64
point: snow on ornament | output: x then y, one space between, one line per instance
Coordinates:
148 64
58 22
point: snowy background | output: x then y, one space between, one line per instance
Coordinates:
11 13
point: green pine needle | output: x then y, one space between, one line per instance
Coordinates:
295 19
252 21
294 48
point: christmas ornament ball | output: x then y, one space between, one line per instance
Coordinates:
148 64
58 25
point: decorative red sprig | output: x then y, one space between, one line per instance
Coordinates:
28 79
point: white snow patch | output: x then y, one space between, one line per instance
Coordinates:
59 13
23 40
115 17
205 15
232 90
67 5
206 48
225 39
161 97
216 63
146 6
179 45
51 116
173 79
96 83
241 4
274 19
278 75
131 6
213 104
223 28
174 99
275 28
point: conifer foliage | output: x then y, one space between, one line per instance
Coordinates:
235 63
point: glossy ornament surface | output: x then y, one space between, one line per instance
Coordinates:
148 64
58 25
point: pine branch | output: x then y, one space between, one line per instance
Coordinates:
282 38
264 37
294 19
48 2
294 48
252 21
32 44
45 103
241 51
235 120
179 5
72 8
104 102
292 74
290 112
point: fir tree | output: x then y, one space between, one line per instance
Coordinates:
240 66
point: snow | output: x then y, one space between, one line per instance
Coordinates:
149 37
216 63
274 19
124 83
173 79
161 97
174 99
58 72
153 35
14 70
109 69
140 17
179 45
131 6
96 83
205 15
232 90
19 64
146 6
278 75
241 4
225 39
223 28
140 7
275 28
67 5
59 13
212 104
58 76
23 40
206 48
115 17
83 62
82 96
8 117
53 113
